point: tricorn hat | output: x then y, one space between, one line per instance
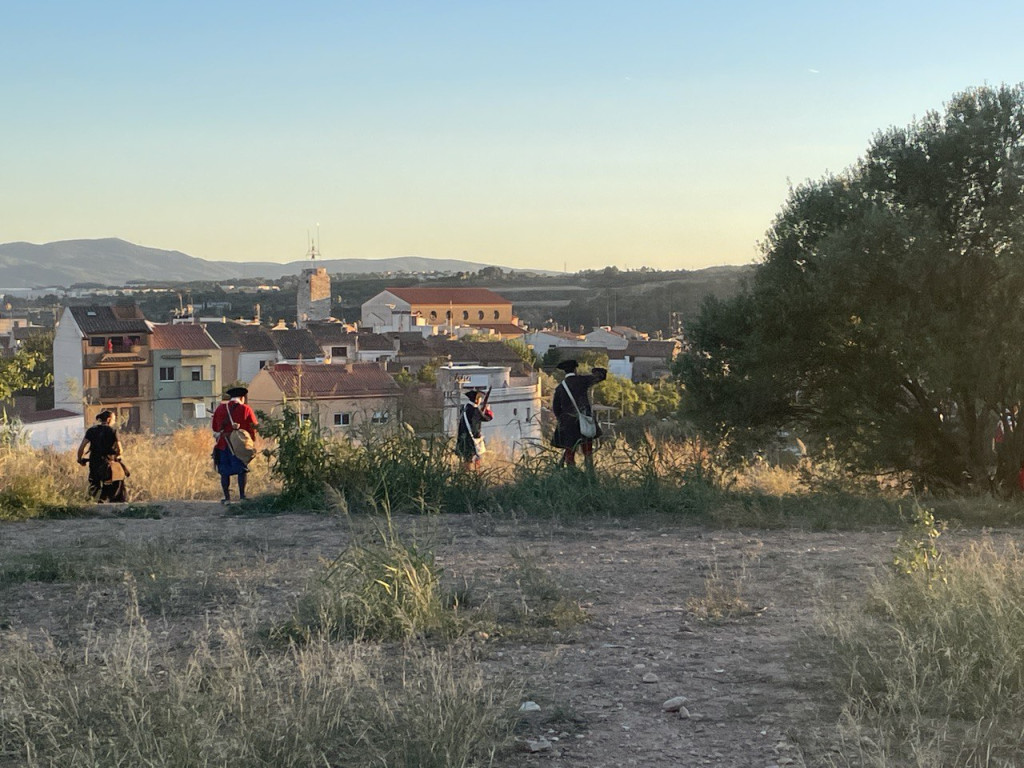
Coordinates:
472 394
104 415
237 392
569 366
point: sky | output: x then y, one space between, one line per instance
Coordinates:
555 135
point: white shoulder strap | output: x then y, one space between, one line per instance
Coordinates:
571 398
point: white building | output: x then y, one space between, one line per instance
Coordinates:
516 403
58 429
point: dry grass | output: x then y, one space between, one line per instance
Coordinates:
932 668
176 466
119 698
179 466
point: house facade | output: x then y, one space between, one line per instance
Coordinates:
257 350
342 398
644 360
102 362
515 401
186 377
405 309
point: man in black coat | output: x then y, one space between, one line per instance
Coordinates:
572 400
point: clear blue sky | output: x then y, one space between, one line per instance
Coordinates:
520 133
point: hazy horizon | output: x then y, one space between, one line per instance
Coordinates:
562 135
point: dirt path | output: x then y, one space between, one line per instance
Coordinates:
754 695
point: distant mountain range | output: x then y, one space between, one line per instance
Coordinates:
116 262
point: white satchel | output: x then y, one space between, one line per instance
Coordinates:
588 424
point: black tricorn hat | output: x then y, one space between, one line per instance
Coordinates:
104 415
472 394
237 392
569 366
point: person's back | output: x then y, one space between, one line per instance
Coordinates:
233 414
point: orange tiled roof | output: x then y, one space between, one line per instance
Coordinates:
326 381
182 336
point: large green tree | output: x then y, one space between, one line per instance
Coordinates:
29 368
887 314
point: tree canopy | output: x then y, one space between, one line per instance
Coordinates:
887 314
30 367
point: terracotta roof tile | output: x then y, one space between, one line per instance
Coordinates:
330 333
253 338
105 319
325 381
661 349
223 333
182 336
296 344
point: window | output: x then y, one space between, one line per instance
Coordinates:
197 374
380 417
339 351
433 315
496 314
188 410
167 374
465 315
97 341
527 414
213 373
448 314
304 417
263 364
480 315
342 419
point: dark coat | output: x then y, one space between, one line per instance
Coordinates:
465 448
567 430
103 447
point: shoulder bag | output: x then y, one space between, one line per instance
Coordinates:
240 442
588 425
478 442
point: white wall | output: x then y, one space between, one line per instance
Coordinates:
62 434
621 367
68 364
384 311
516 422
249 363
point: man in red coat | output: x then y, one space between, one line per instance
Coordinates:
230 415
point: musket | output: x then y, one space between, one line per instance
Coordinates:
487 396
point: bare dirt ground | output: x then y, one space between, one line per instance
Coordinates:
755 693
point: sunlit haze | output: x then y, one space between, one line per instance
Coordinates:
526 134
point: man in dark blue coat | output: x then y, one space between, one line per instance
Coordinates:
572 399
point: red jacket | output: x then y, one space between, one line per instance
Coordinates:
241 414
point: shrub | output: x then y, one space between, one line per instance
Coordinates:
380 587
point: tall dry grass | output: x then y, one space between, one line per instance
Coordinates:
172 467
179 466
931 665
120 698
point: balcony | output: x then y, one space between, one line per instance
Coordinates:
196 389
119 391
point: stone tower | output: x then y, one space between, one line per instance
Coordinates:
314 300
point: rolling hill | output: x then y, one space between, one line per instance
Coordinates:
115 262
